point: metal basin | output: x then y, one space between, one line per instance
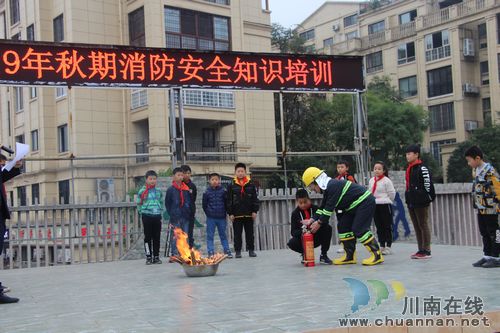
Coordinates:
200 270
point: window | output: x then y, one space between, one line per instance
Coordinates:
487 111
196 30
406 53
62 138
19 138
408 17
485 74
16 36
481 31
34 140
58 25
35 193
498 66
374 62
3 26
63 192
14 11
33 92
307 35
136 29
439 81
18 99
442 117
350 20
21 195
376 27
498 28
408 86
138 98
436 149
30 32
220 2
351 35
61 92
212 99
327 42
208 137
437 45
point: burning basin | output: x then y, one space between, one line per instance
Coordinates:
200 270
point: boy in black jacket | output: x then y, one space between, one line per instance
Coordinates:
358 207
302 216
242 207
419 194
186 169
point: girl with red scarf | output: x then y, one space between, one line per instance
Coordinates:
383 190
419 194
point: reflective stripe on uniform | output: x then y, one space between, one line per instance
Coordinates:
359 200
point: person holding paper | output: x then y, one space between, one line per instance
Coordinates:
5 215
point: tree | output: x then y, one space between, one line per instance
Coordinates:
393 123
286 40
487 139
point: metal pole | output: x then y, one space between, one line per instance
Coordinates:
283 141
173 131
181 122
360 123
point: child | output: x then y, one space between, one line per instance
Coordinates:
383 191
343 171
150 205
178 204
358 206
302 216
242 206
186 169
214 206
419 194
486 195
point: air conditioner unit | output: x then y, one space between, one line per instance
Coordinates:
469 47
469 88
335 27
106 190
470 125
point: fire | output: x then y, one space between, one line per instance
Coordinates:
190 256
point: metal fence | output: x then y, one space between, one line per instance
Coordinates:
47 235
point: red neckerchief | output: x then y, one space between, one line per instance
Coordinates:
340 177
377 179
182 187
144 194
411 165
308 213
242 182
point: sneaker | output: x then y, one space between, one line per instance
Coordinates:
424 255
480 262
4 289
149 261
386 251
4 299
157 260
238 254
324 260
491 263
252 254
229 255
416 254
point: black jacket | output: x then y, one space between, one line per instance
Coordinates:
242 203
4 177
420 190
194 193
331 197
297 216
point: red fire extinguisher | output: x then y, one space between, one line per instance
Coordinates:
308 246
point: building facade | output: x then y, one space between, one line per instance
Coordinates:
442 55
62 122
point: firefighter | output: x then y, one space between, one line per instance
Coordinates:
357 206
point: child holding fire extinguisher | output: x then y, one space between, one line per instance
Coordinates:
301 216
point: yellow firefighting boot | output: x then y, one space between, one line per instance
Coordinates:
371 245
349 243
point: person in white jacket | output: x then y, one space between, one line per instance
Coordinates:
382 188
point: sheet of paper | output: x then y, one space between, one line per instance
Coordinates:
21 151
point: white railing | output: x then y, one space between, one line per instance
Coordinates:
437 53
403 30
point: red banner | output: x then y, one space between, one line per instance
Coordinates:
59 64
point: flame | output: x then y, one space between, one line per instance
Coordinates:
191 256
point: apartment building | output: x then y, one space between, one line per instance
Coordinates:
442 55
62 122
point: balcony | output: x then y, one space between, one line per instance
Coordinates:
142 148
220 2
470 90
403 30
346 46
437 53
373 39
215 147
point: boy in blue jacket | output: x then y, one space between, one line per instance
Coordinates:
214 206
178 204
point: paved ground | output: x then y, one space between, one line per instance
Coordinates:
272 293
